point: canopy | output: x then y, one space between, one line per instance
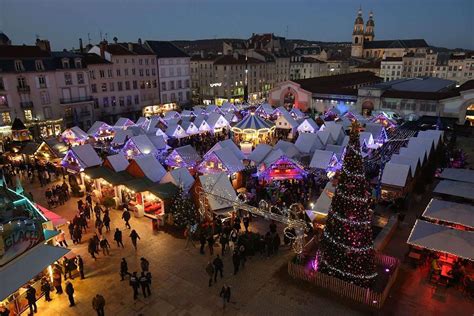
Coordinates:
308 126
222 194
118 162
229 144
259 153
412 161
85 155
456 188
97 128
308 142
395 174
53 217
322 159
464 175
151 167
323 204
443 239
455 213
123 122
179 177
288 148
27 266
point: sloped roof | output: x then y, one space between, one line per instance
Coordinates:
214 118
188 125
151 167
408 43
297 113
200 121
419 153
395 174
123 122
96 127
229 144
86 155
451 212
188 154
76 131
158 141
288 148
143 144
118 162
323 204
456 188
259 153
17 124
464 175
308 142
179 177
227 106
336 130
164 49
175 130
266 108
321 159
171 115
308 122
325 137
288 118
411 161
338 150
229 160
187 113
252 121
273 156
219 185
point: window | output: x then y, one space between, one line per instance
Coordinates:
44 95
179 84
113 101
147 72
129 100
153 71
126 72
28 115
104 87
173 97
140 61
48 112
119 86
112 86
92 74
2 85
137 99
186 83
121 101
171 71
67 79
125 60
6 118
109 73
146 61
118 72
80 78
101 73
155 84
163 86
94 88
140 72
188 95
171 85
127 85
42 82
135 84
21 82
178 71
3 100
65 63
133 72
78 63
105 102
39 65
180 96
164 98
19 65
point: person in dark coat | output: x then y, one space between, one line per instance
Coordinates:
106 221
91 248
236 261
46 289
145 285
80 266
210 243
123 268
144 264
98 304
57 279
70 293
118 238
202 240
246 221
126 218
210 271
67 267
104 245
31 297
134 283
134 236
225 294
218 267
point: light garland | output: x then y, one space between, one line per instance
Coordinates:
345 246
345 220
355 276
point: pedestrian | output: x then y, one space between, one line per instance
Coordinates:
145 285
134 283
210 271
104 244
225 294
224 240
91 248
242 255
144 264
106 221
118 238
202 240
67 268
97 211
57 279
80 266
233 238
123 268
126 217
31 297
246 221
134 236
188 233
236 261
99 225
70 293
61 239
77 233
46 289
218 267
98 304
210 243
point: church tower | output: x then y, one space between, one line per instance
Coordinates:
357 48
369 28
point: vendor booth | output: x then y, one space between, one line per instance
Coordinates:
138 146
278 167
100 130
80 157
74 136
123 123
308 126
184 156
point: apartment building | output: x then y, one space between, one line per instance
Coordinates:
302 67
202 77
391 68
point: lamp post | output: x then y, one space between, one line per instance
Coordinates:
246 87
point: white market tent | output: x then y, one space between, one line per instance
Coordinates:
364 138
141 143
308 126
418 142
189 127
289 149
170 115
228 107
74 132
86 156
118 162
259 153
228 143
325 137
151 167
187 113
187 154
336 130
97 127
412 161
228 159
323 204
123 123
179 177
464 175
199 110
443 239
419 152
222 192
176 131
121 136
455 188
322 159
307 143
211 108
264 110
201 124
395 174
451 212
338 150
297 114
142 122
216 121
285 120
153 123
436 135
273 156
158 141
231 117
159 132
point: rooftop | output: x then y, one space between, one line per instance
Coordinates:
232 60
408 43
164 49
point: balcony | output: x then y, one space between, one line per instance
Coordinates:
75 100
26 104
23 89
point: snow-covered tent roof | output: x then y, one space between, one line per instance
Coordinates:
464 175
289 149
222 193
212 108
189 127
153 123
176 131
286 117
142 122
338 150
97 127
201 123
336 130
273 156
142 143
118 162
264 109
75 133
364 138
436 135
455 188
188 154
280 110
159 132
123 123
321 159
151 167
323 204
308 126
325 137
229 160
228 143
395 174
259 153
454 213
376 130
426 143
171 115
158 141
86 156
121 136
443 239
412 161
418 152
199 110
228 107
297 114
308 142
187 113
179 177
231 117
252 122
216 120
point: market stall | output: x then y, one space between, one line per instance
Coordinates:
100 130
184 156
138 146
277 166
74 136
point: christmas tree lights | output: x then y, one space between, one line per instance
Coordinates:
346 249
183 210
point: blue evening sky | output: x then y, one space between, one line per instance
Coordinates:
447 23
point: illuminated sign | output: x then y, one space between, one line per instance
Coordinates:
216 84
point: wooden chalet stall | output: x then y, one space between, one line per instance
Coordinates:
396 181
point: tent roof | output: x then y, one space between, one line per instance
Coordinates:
179 177
265 108
118 162
228 158
227 106
219 185
151 167
173 129
171 115
77 132
374 129
30 148
121 135
199 120
308 142
187 113
273 156
86 155
456 188
411 161
143 144
289 149
288 118
18 125
96 127
198 109
259 153
321 159
212 108
418 152
443 239
163 190
338 150
418 142
455 213
395 174
214 117
297 113
188 154
228 143
436 135
123 122
311 123
158 141
336 130
464 175
325 137
24 268
252 121
323 204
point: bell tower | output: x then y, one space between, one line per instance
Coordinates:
357 48
369 28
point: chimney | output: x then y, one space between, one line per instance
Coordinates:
140 41
81 47
103 47
43 45
130 47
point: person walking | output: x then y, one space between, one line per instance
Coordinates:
31 297
98 304
70 293
46 289
225 294
145 285
123 268
91 248
144 264
236 261
188 233
210 271
106 221
61 239
218 267
242 255
126 217
246 221
80 266
134 283
224 240
134 236
202 240
210 243
118 238
57 279
104 244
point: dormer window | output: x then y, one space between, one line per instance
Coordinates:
39 65
19 65
65 63
78 63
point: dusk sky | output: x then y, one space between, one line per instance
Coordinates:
447 23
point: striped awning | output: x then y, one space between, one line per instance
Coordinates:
253 122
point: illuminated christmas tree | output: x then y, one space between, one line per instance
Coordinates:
183 210
346 249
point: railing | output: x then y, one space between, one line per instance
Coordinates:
26 104
23 89
75 100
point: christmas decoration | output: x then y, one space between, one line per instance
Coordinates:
182 210
346 248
